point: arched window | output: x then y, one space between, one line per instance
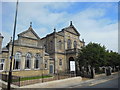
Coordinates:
28 61
46 64
60 44
75 44
17 60
69 44
37 61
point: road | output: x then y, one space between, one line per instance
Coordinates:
108 84
111 82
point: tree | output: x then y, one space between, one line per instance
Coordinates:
97 56
113 59
92 54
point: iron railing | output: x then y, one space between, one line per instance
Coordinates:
22 81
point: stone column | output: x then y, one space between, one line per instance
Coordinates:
55 42
22 63
32 62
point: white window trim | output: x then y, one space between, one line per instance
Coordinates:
37 68
16 69
27 69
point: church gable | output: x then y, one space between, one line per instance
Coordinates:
29 34
72 29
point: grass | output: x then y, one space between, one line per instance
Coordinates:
31 78
27 78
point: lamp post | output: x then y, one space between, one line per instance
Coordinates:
11 57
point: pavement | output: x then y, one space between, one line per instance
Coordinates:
100 81
3 84
55 84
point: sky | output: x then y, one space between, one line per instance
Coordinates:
96 21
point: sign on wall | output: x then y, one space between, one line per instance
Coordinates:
72 65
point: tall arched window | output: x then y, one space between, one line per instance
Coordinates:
60 44
28 61
69 44
17 60
75 44
37 61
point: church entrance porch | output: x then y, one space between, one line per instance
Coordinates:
71 66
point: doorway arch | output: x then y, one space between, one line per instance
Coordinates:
70 59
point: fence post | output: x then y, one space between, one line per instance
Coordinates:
42 78
19 81
70 73
58 76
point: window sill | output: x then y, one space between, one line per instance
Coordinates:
1 70
27 69
36 69
16 69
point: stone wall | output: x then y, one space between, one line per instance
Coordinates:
29 72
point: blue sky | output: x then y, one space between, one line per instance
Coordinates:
95 21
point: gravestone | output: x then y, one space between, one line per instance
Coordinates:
108 71
92 72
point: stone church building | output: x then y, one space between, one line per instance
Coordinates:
35 56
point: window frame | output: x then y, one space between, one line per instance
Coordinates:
36 59
30 58
17 60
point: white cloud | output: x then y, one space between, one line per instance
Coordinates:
6 38
97 30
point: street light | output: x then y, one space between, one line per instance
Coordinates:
11 57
